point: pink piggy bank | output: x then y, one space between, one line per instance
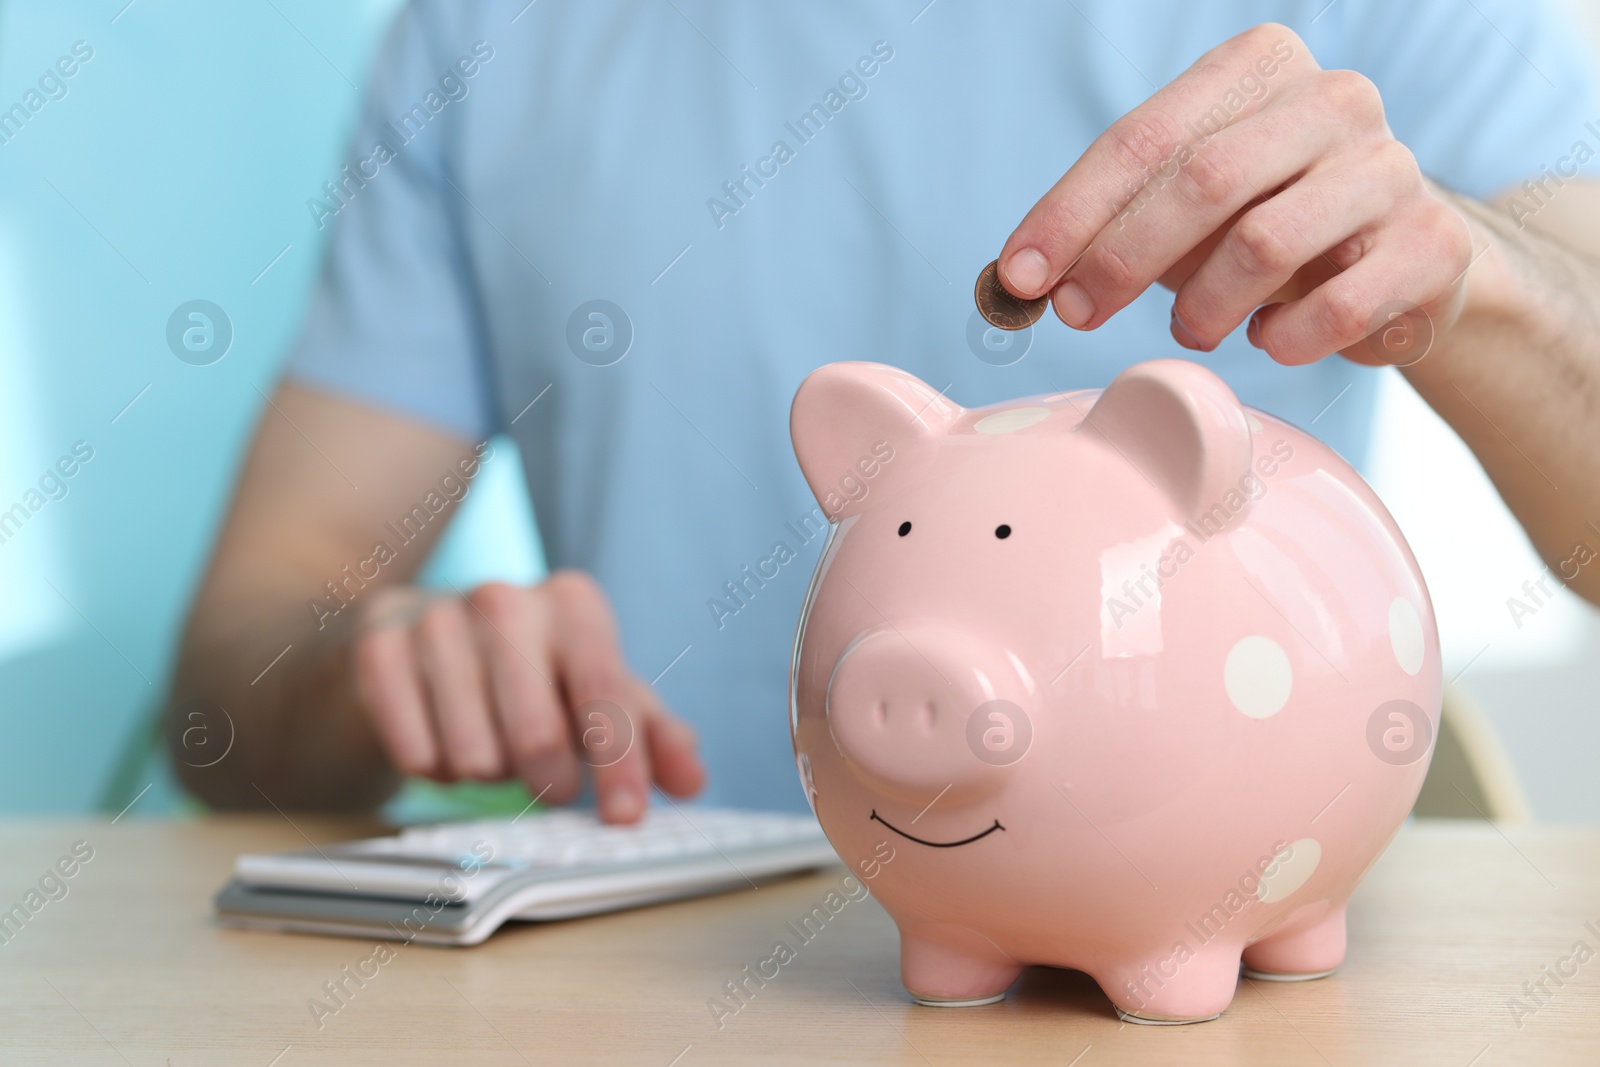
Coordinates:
1137 681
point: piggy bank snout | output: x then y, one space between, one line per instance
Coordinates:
916 709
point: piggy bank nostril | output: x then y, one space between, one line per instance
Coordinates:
880 714
927 716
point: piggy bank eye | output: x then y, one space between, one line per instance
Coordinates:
905 528
1002 531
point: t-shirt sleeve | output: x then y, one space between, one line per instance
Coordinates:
1486 93
393 320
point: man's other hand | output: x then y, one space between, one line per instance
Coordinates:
523 681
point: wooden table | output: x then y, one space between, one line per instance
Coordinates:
129 967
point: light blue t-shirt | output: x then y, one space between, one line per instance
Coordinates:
758 189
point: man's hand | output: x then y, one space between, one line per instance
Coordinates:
1258 184
1256 180
519 681
332 679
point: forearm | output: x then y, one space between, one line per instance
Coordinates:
298 737
299 533
1518 378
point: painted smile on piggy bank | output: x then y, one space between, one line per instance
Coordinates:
1151 677
936 844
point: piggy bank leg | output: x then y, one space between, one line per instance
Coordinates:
1167 987
947 966
1310 950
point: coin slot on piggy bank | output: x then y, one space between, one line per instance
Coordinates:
1105 667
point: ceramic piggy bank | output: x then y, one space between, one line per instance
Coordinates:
1138 682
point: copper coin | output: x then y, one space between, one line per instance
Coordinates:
999 308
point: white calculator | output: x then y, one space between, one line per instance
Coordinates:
456 883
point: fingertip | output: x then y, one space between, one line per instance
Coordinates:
695 783
478 764
675 757
1284 358
683 778
1026 272
679 732
413 760
1182 334
621 803
554 778
1073 304
1256 333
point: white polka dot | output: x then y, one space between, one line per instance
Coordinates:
1294 865
1405 634
1258 677
1255 423
1011 420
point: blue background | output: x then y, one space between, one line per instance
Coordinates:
176 168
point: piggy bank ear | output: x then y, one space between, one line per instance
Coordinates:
858 428
1183 429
